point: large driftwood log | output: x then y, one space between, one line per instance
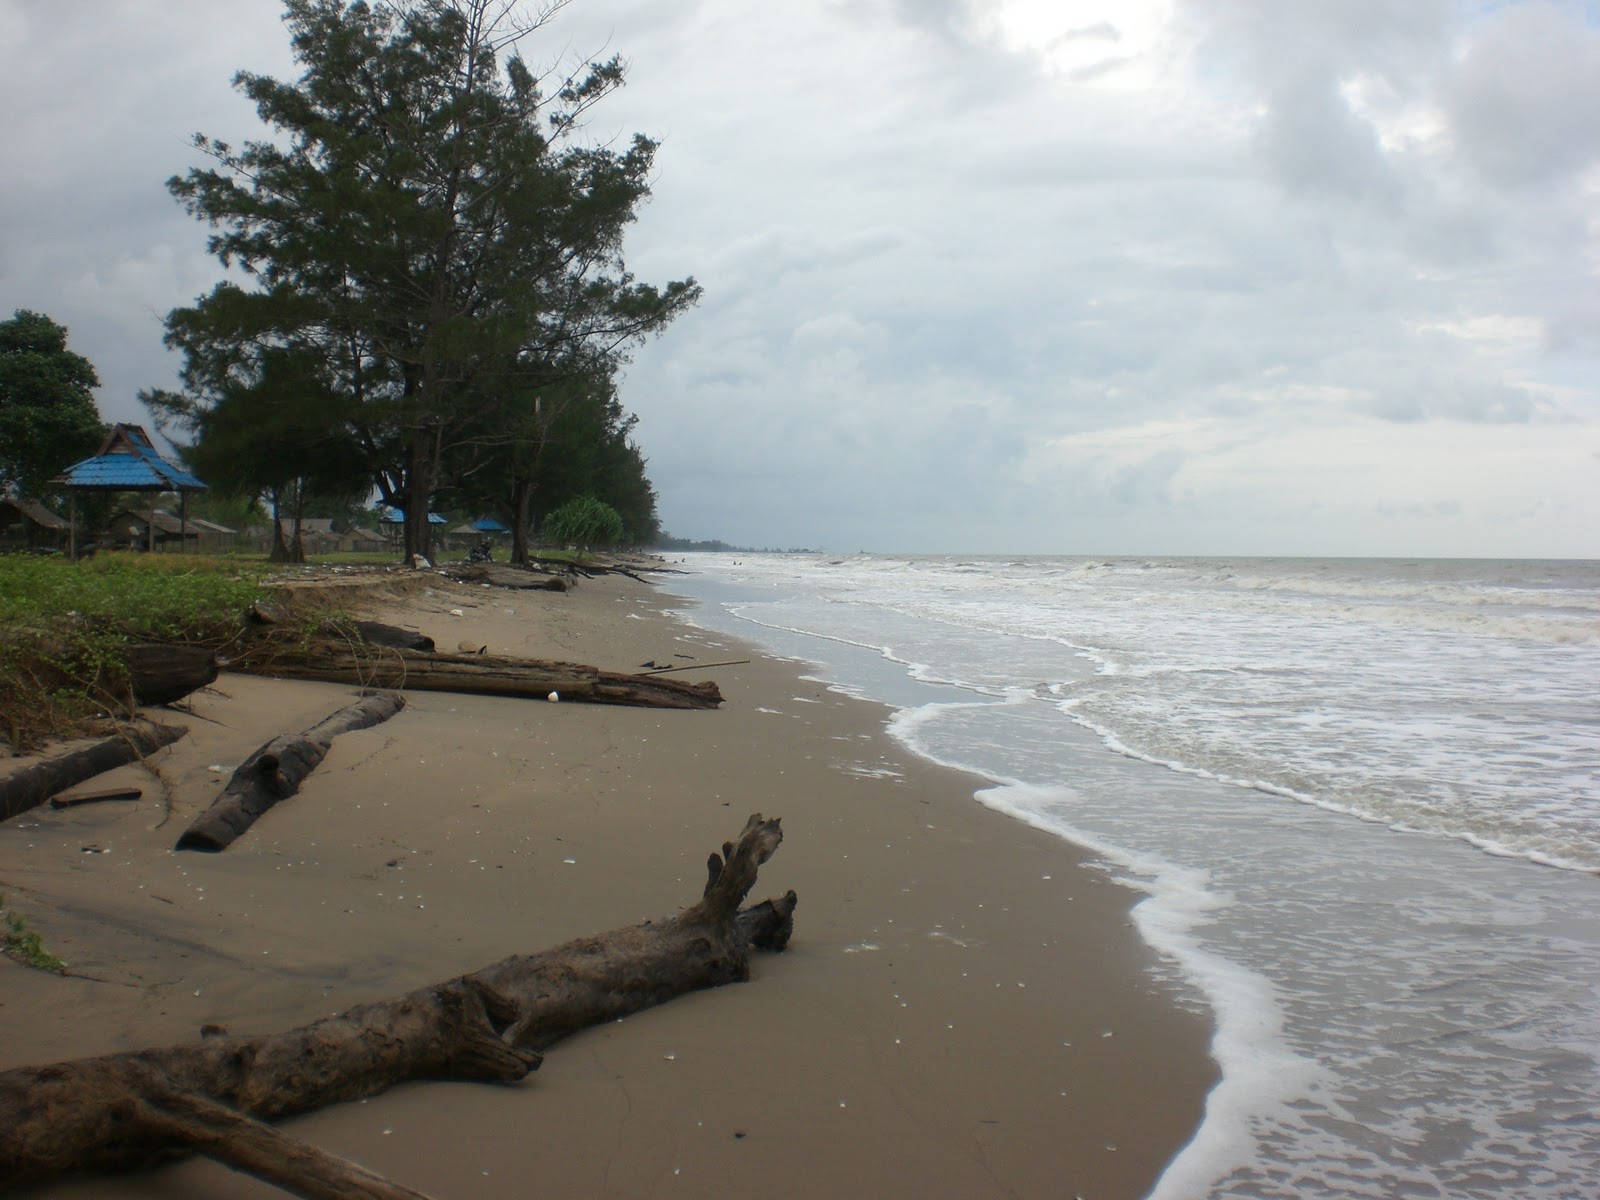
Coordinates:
376 633
159 673
276 771
518 579
476 674
28 786
128 1110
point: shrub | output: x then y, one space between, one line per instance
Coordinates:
584 521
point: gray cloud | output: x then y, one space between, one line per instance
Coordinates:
1227 281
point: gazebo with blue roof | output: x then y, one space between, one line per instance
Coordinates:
128 462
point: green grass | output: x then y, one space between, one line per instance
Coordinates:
61 625
155 595
22 944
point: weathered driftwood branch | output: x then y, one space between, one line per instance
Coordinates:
255 1148
128 1110
475 674
73 762
727 662
276 771
515 578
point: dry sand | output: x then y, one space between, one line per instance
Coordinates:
965 1010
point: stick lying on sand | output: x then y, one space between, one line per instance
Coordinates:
74 762
211 1097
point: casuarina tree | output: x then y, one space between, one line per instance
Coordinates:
425 218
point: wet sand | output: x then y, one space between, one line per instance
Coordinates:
965 1009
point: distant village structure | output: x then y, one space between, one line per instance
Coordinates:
128 462
29 525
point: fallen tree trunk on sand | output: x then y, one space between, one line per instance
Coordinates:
159 673
210 1097
31 785
276 771
474 674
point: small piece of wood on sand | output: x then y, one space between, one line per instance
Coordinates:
77 798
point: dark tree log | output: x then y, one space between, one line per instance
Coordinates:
276 771
96 1113
376 633
159 673
476 674
516 578
73 762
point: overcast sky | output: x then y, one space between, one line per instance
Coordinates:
1070 276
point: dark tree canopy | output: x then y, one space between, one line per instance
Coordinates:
424 235
48 418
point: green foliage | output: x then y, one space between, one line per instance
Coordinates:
421 241
161 596
22 944
584 522
62 624
48 418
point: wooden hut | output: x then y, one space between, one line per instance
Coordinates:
29 525
150 529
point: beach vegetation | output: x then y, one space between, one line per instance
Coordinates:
23 945
584 521
62 625
48 418
423 255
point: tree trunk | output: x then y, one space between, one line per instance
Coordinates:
422 470
521 500
475 674
280 549
276 771
128 1110
73 762
297 548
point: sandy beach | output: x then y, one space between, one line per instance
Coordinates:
964 1010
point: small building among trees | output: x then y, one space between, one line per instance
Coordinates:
362 541
147 529
29 525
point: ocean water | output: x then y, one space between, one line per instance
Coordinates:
1362 798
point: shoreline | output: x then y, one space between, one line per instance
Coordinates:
938 1026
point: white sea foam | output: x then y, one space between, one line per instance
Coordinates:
1396 1012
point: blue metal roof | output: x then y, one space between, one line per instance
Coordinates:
397 516
488 525
128 462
